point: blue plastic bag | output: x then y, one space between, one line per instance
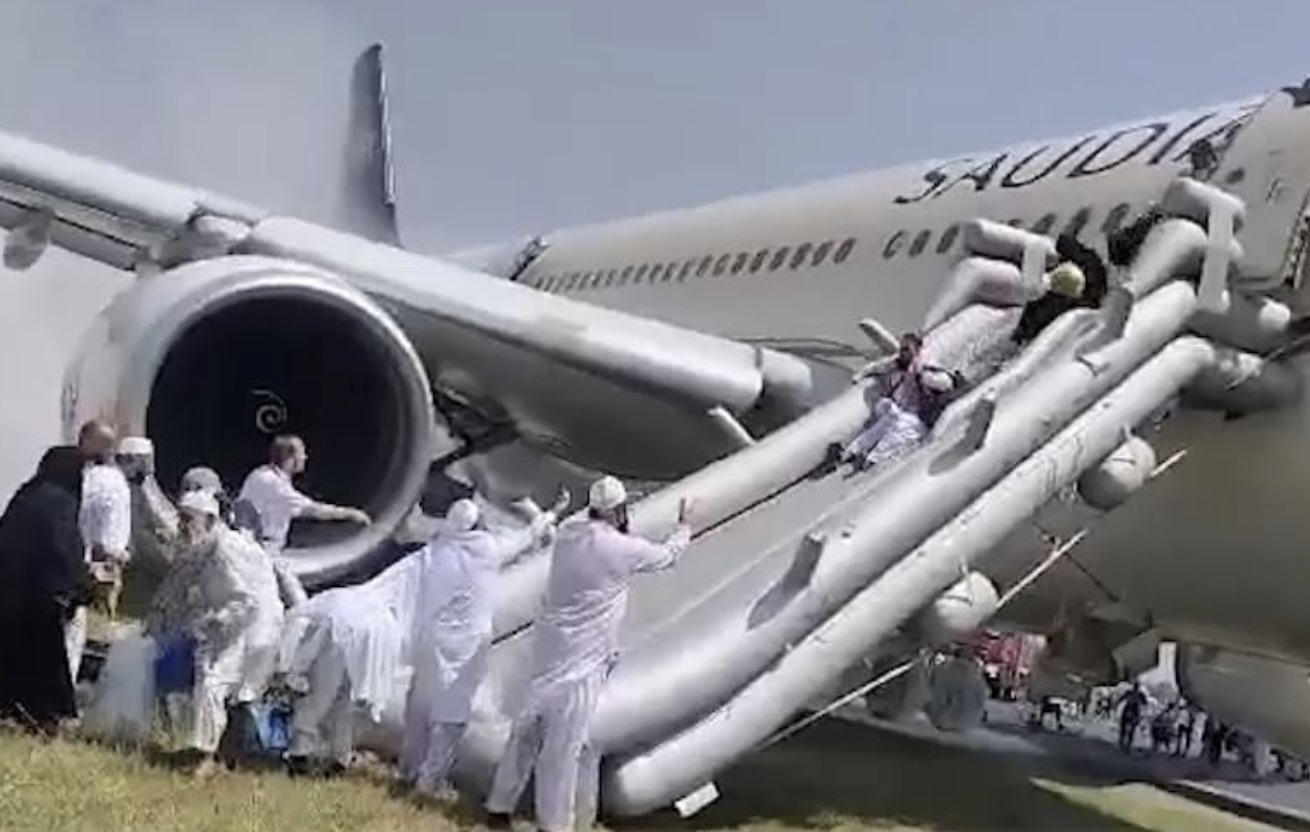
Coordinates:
258 730
273 723
175 665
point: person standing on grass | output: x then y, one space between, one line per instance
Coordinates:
44 579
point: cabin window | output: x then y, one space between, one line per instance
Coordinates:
757 262
740 262
1015 223
1115 218
686 268
802 252
948 238
704 266
779 257
610 275
655 272
627 273
640 273
1078 222
844 250
821 253
1045 224
920 242
721 265
893 246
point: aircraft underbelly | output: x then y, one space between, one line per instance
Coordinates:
1215 549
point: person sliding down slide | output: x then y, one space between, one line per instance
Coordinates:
903 404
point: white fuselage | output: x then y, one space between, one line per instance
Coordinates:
1215 552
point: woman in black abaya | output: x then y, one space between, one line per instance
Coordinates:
43 579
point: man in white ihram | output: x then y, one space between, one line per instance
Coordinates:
220 606
269 491
574 647
341 649
452 634
105 520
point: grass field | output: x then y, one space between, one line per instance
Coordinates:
830 777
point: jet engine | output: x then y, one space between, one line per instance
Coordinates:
214 358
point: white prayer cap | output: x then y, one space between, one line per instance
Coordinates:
201 478
462 516
200 502
607 493
136 446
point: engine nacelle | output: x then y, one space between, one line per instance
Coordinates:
1119 476
959 611
214 358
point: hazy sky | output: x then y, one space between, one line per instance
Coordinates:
517 116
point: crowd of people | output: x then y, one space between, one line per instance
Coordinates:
228 626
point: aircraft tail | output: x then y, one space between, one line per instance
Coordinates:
367 201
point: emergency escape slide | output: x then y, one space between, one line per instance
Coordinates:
791 579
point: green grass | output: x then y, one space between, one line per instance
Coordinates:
830 777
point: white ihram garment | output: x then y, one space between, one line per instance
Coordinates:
891 431
224 606
451 640
104 518
575 643
349 645
262 636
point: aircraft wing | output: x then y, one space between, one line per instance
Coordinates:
470 330
104 212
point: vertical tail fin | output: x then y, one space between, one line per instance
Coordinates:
367 201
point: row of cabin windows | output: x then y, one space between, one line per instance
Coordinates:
805 254
816 253
1114 219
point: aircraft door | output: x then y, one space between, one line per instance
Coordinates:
1267 163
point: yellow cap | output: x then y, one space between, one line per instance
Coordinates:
1067 279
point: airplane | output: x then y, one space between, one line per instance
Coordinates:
665 346
1089 185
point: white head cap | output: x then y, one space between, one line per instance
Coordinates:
462 516
200 502
201 478
136 446
606 493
